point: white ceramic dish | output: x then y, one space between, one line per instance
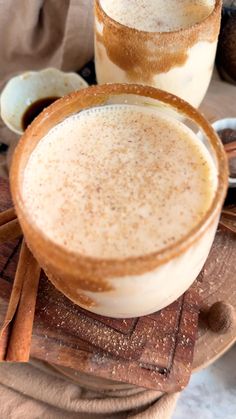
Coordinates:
223 124
23 90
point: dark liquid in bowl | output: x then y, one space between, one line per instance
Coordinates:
35 109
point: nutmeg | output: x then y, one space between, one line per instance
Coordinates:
221 317
228 136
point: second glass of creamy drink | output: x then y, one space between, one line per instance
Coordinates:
118 200
163 43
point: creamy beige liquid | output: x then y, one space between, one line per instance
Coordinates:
158 15
119 62
118 181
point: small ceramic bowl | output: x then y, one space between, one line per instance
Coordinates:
23 90
224 124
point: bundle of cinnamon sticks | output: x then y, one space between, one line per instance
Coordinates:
16 330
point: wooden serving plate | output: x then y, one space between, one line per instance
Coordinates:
154 351
218 279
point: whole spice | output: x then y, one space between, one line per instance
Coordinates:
221 317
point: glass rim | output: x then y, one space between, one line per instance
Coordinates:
197 25
97 96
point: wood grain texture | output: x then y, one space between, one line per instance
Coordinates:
160 359
154 351
28 273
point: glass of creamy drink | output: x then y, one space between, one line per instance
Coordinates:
118 199
162 43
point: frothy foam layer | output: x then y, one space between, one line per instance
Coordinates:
118 181
158 15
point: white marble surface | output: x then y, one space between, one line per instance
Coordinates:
211 393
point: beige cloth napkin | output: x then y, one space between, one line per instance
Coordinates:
35 34
42 33
33 391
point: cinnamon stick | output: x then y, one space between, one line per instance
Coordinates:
20 339
228 219
230 149
3 343
8 215
14 299
10 230
231 154
229 212
230 146
228 226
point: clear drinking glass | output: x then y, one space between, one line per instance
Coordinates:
180 62
131 286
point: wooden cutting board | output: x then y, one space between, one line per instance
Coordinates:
154 351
